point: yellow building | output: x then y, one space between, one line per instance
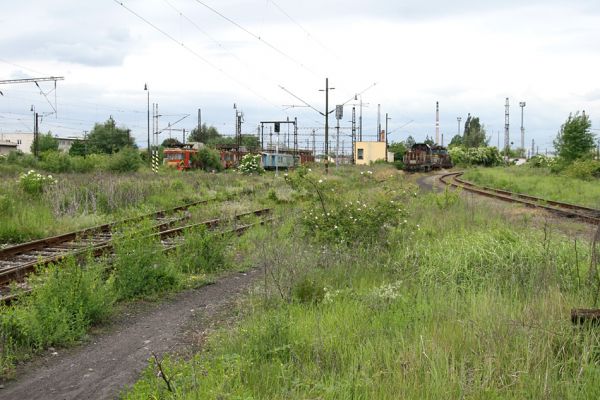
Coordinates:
368 152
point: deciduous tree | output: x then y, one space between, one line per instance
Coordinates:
575 139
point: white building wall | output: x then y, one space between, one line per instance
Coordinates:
24 140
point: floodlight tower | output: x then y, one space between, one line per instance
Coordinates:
522 104
507 128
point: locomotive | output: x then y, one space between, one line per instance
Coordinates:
423 157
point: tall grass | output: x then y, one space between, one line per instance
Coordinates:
538 182
458 303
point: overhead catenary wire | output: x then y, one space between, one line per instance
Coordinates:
257 37
191 51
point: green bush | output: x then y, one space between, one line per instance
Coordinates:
201 251
65 301
56 161
485 156
583 169
34 183
126 160
140 266
81 164
207 159
250 164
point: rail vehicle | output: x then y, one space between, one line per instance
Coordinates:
423 157
180 157
278 160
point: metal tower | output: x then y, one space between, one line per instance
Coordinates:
437 122
507 128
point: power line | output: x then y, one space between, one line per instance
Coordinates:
164 33
260 39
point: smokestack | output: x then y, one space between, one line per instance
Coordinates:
437 122
507 127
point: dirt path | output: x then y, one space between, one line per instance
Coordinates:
111 361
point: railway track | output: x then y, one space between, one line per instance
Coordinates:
589 215
17 262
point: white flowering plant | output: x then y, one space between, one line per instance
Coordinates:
330 217
34 183
250 164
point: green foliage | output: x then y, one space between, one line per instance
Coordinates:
47 142
409 142
201 252
34 183
65 301
207 159
250 142
204 135
457 141
541 161
126 160
171 142
78 148
484 156
475 134
140 267
399 149
575 139
429 141
56 161
250 164
540 182
584 169
107 138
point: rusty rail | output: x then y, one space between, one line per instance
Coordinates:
166 236
568 210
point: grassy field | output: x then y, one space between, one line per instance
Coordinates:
67 300
443 299
76 201
538 182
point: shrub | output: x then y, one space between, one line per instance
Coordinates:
542 161
485 156
82 164
250 164
34 183
56 161
207 159
140 266
583 169
65 301
201 251
126 160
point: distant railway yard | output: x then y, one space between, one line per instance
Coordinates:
360 265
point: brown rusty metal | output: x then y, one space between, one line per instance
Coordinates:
20 272
568 210
580 316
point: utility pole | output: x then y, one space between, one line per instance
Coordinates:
386 136
437 122
360 121
353 132
522 105
532 147
507 129
314 145
378 121
295 139
327 89
339 114
148 122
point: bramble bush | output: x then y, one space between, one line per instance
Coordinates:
250 164
34 183
486 156
331 219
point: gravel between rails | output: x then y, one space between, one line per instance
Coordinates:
111 361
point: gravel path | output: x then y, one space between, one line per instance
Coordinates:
111 361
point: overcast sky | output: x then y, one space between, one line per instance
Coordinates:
208 54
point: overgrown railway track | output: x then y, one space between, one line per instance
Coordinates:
18 261
589 215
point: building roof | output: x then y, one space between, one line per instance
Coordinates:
6 143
